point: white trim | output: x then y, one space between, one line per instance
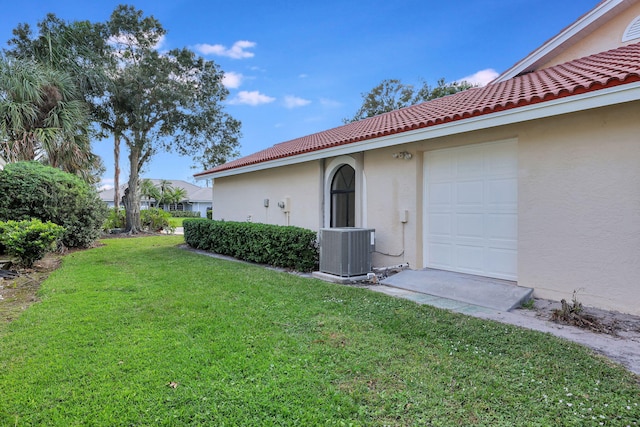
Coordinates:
361 191
586 101
560 40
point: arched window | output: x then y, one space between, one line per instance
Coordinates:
343 197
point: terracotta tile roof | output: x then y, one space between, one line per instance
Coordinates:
591 73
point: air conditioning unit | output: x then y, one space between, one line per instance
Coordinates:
346 252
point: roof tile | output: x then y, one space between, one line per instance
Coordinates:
595 72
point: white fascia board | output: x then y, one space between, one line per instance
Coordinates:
568 33
570 104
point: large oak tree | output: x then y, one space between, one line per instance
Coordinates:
170 101
150 100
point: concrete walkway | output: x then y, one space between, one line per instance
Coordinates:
457 289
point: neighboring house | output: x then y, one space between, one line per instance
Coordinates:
198 199
2 163
534 178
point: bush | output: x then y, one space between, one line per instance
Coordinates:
155 219
185 214
287 247
209 213
30 240
115 219
32 190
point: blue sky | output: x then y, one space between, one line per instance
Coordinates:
296 67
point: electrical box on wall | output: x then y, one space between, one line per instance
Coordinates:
404 216
285 205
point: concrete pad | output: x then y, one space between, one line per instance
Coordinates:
496 294
338 279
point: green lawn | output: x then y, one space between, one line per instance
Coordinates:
140 332
176 222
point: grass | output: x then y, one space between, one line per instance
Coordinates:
140 332
176 222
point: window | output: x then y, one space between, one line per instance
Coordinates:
343 197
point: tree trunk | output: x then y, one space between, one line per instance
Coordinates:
116 174
132 195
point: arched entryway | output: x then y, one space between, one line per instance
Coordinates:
343 197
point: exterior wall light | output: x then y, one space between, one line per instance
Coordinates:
402 155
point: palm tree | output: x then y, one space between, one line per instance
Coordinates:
165 192
42 117
150 191
177 195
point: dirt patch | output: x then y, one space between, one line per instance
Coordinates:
18 292
588 318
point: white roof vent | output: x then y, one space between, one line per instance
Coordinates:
633 30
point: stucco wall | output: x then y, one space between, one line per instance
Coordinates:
391 190
579 208
607 37
241 197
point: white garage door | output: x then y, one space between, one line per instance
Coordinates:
471 209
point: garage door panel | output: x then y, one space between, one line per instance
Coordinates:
470 259
471 209
440 194
501 258
470 225
470 193
440 224
469 163
502 226
501 192
440 254
442 169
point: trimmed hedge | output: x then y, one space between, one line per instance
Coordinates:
280 246
32 190
29 240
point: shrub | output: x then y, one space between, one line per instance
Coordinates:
209 213
115 219
287 247
185 214
32 190
30 240
155 219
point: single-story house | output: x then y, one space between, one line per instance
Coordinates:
534 178
198 199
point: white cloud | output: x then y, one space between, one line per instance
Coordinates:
303 76
251 98
232 80
106 184
482 77
330 103
237 51
295 102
